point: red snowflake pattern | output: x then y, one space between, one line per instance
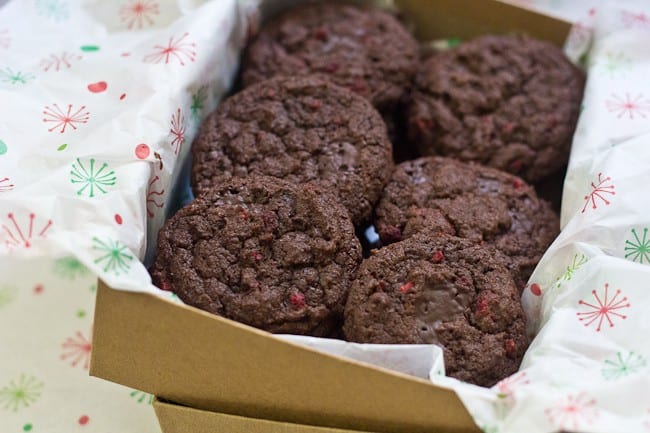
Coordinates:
77 349
177 130
62 119
5 184
598 192
5 40
508 385
622 106
137 13
153 197
603 309
17 235
57 62
178 49
573 412
631 19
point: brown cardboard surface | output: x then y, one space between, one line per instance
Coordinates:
207 362
464 19
181 419
221 368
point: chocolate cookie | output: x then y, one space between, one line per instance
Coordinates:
447 291
362 48
298 129
264 252
509 102
441 195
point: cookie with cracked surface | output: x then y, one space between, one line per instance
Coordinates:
264 252
442 195
362 48
446 291
301 130
510 102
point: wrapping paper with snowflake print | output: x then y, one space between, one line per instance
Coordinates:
99 102
97 120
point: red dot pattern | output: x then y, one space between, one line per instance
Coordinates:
142 151
535 289
98 87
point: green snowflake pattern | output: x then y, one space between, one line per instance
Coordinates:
577 261
90 178
639 248
70 268
7 75
198 101
614 64
7 295
141 397
115 256
622 365
20 393
53 9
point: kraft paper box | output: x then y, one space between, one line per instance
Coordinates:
180 419
224 376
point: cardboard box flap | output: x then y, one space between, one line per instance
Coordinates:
246 373
466 19
181 419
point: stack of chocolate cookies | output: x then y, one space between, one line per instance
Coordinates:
291 168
